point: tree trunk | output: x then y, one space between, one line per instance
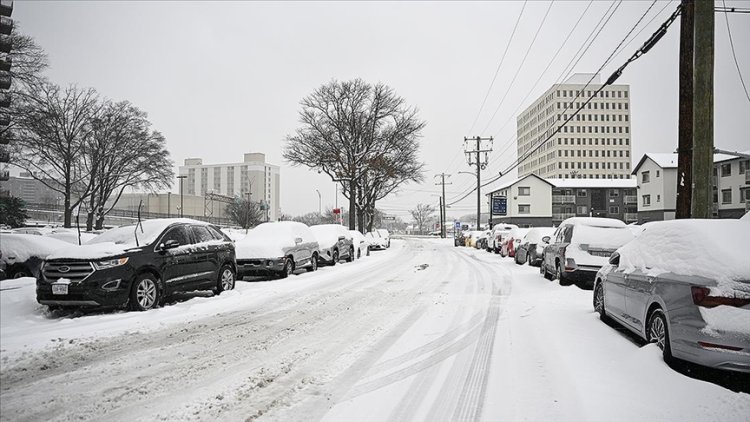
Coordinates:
67 216
100 222
352 204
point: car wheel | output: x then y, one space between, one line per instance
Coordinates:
20 272
226 279
288 268
145 293
599 301
657 332
313 263
359 253
335 256
560 276
528 258
350 258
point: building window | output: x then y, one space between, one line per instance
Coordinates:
614 210
657 173
745 195
614 192
646 200
744 166
658 198
726 196
582 210
581 192
524 209
524 191
645 177
726 170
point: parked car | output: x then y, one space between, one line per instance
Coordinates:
385 235
580 247
361 244
481 242
276 249
376 241
532 246
71 236
472 237
22 254
335 243
460 239
511 241
139 265
684 285
498 231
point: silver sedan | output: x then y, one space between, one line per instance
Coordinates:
690 315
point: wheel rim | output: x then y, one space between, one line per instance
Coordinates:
146 293
227 279
20 274
657 331
335 256
599 299
288 267
558 272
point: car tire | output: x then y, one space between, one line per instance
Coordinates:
227 278
313 263
560 276
335 257
528 259
657 332
543 270
19 272
144 294
359 253
350 258
288 268
515 259
598 302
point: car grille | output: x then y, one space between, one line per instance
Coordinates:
71 270
250 261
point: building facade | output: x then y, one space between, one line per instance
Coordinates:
656 174
595 144
253 178
528 202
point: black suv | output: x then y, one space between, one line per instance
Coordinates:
139 265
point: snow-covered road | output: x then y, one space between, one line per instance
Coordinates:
421 332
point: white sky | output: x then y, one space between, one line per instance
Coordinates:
223 78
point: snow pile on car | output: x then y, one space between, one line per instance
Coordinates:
21 247
714 249
328 234
268 240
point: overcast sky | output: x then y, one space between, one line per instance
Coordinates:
220 79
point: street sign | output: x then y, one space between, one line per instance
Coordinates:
388 218
499 205
458 225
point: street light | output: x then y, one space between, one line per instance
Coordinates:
320 203
181 204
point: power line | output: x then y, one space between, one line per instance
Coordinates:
497 71
523 61
731 43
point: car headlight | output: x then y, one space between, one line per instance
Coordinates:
110 263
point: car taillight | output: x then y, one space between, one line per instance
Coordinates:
718 346
702 297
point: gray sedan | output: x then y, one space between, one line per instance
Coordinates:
696 306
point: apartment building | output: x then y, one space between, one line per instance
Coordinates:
656 174
253 178
528 201
595 144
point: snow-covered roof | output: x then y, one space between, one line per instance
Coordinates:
594 183
668 160
593 222
508 183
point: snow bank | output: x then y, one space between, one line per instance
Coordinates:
714 249
21 247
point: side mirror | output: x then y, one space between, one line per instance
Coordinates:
614 259
546 239
169 244
297 240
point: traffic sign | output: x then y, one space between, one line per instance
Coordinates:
499 205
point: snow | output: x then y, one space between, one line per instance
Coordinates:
21 247
421 332
714 249
723 319
91 251
536 234
269 240
594 183
593 222
328 234
72 236
147 232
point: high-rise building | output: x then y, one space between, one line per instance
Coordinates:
6 29
595 144
253 178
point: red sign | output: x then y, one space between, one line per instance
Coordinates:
337 210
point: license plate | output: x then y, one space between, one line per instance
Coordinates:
59 289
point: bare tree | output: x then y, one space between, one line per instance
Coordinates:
51 132
122 152
28 59
347 128
244 212
423 214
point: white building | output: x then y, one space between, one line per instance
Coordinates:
529 201
594 145
656 174
253 178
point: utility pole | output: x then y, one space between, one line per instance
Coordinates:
182 212
703 109
685 136
442 202
474 158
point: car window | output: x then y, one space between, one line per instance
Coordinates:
217 235
201 234
179 233
568 234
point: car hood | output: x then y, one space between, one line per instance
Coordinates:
91 251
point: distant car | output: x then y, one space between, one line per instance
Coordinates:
71 236
276 249
460 239
481 242
580 247
511 242
335 243
22 254
472 237
37 231
531 247
385 235
684 285
138 266
376 241
498 232
361 244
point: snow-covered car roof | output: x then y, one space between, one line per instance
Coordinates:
19 247
268 240
147 233
715 249
593 222
518 232
328 234
535 234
